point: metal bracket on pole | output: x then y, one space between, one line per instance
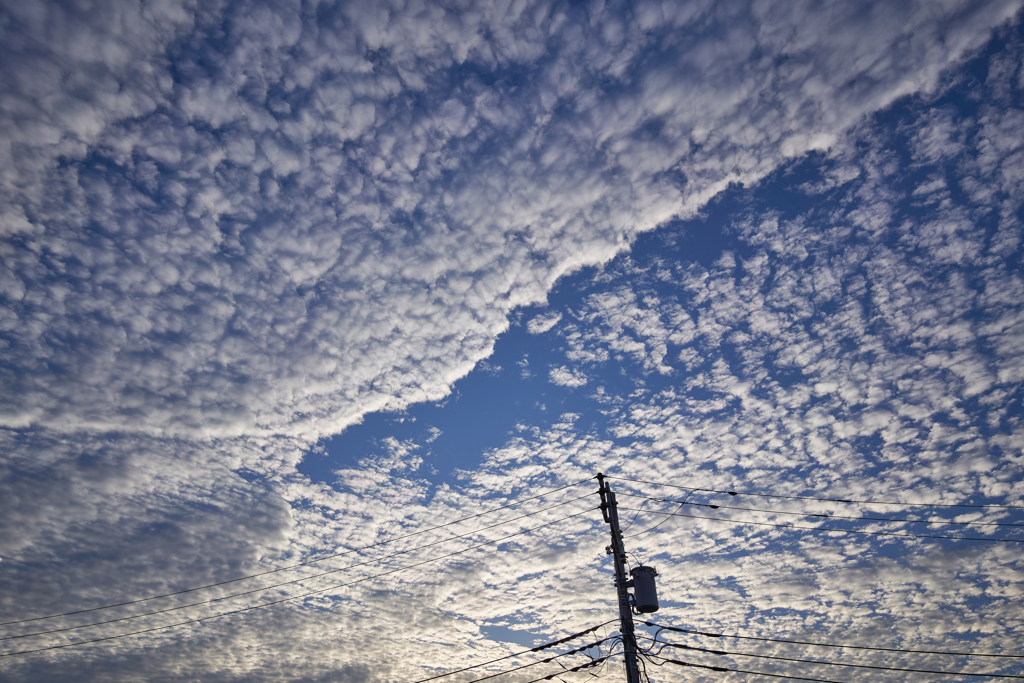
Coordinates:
610 511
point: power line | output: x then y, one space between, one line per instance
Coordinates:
299 564
641 533
592 663
840 531
525 652
637 513
855 666
739 671
296 597
851 647
822 515
288 583
826 500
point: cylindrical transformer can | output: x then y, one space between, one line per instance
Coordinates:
645 593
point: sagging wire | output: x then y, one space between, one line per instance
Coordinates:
618 640
654 641
601 660
601 667
637 559
722 669
553 658
538 648
285 583
636 513
823 515
581 667
681 504
830 530
611 652
287 599
594 660
601 656
682 646
643 653
299 564
706 634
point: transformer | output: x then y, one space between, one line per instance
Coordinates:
645 592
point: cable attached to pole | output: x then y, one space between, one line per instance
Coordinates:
298 564
289 583
826 500
707 634
539 648
819 662
293 597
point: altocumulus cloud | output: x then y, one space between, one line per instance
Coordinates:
232 228
864 341
253 218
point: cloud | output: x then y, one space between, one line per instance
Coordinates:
857 344
542 323
848 349
566 377
237 228
629 326
310 217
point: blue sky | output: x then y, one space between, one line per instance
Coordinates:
282 280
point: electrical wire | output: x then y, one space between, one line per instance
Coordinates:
681 504
643 668
524 652
601 669
637 512
296 597
851 647
840 531
292 582
641 533
635 558
300 564
587 665
597 646
843 664
826 500
815 514
666 660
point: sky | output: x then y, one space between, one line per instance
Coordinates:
286 285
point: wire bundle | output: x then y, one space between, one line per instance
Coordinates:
653 651
305 594
1012 532
649 653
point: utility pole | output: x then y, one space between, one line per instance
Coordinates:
610 510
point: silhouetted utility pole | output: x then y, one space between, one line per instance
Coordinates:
610 510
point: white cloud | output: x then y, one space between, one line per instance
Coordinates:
272 242
211 266
542 323
567 377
